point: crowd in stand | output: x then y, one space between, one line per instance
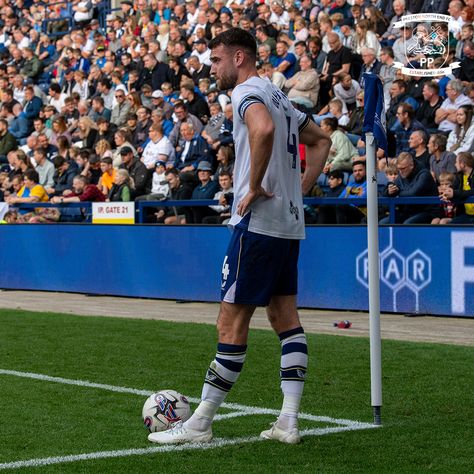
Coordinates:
125 109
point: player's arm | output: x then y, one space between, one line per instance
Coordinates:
260 129
318 145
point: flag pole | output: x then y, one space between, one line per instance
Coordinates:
374 279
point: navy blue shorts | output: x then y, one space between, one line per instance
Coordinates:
257 266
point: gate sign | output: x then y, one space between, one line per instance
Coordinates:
113 212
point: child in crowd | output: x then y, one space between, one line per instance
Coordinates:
448 208
160 187
391 173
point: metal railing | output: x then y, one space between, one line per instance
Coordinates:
390 203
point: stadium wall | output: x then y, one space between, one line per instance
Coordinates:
426 270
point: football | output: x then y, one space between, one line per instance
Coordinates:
164 408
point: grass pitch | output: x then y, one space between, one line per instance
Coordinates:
427 413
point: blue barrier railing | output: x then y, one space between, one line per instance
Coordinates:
390 203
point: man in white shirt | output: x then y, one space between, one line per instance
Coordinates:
159 148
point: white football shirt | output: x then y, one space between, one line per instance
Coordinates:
282 215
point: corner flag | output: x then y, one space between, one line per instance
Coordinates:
374 110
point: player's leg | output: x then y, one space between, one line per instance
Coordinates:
285 321
223 372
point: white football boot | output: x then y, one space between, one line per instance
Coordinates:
291 436
179 434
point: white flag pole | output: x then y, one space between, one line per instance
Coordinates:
374 280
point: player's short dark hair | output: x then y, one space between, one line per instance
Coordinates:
236 37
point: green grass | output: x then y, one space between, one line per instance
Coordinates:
427 412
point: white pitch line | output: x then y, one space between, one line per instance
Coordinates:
217 443
231 406
242 410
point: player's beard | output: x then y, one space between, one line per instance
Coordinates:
227 81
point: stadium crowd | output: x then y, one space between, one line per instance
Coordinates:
118 104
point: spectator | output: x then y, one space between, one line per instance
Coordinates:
225 197
342 150
32 105
56 97
212 129
32 67
354 214
285 61
346 90
462 137
196 105
327 214
417 143
137 170
121 110
276 77
404 126
356 120
158 148
446 115
31 191
370 64
7 141
303 87
122 188
225 159
122 139
183 116
464 190
206 189
193 150
144 122
159 187
387 71
440 160
398 94
63 176
86 133
158 101
338 60
20 125
413 180
108 175
178 191
448 208
317 55
81 191
431 103
44 168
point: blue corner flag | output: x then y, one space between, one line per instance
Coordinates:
374 110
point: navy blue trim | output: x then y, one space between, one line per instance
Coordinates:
291 332
214 379
304 124
233 349
293 347
293 373
246 102
230 364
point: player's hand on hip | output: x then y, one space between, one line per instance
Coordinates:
249 198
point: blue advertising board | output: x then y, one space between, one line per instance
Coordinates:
423 269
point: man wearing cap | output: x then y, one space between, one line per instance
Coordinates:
127 8
202 52
206 189
158 101
137 170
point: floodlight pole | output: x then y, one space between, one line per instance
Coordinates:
374 280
